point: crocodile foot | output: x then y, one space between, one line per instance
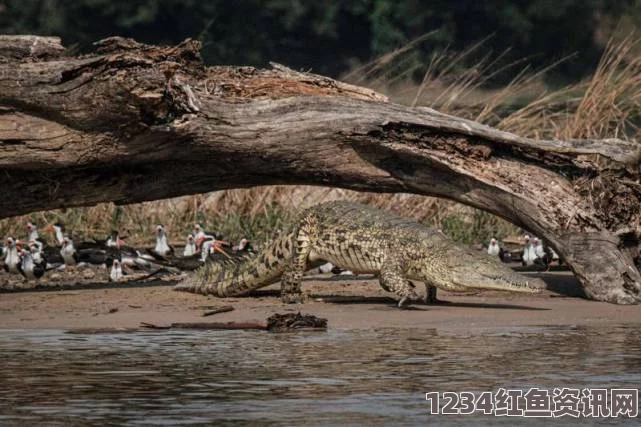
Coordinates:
293 298
430 296
435 301
404 302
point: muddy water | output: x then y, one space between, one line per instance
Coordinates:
340 377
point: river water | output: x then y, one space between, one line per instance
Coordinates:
352 377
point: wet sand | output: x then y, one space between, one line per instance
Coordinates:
347 303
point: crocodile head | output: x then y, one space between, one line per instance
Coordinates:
491 275
465 269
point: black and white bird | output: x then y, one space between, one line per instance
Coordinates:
12 256
32 232
35 248
162 247
544 253
207 249
326 268
192 257
201 236
114 240
42 252
213 249
539 251
115 274
161 250
243 246
68 252
190 246
504 255
33 235
29 268
493 248
144 259
529 254
57 229
116 248
95 253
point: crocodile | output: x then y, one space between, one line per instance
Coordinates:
364 240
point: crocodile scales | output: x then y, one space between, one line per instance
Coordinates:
362 239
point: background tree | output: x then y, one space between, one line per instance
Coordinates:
331 36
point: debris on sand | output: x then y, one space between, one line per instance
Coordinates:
292 322
289 322
216 310
209 326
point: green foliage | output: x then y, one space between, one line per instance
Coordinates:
480 227
541 30
330 36
257 228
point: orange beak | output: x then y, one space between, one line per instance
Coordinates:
219 249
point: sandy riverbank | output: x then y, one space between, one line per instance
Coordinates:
355 303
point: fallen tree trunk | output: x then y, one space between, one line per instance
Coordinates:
132 122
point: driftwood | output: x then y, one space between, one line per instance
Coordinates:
107 330
289 322
131 122
276 323
216 326
217 310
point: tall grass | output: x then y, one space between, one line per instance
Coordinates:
604 105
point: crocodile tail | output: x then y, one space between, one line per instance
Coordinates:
240 276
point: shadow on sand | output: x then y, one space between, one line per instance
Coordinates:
94 285
341 299
559 280
564 284
391 302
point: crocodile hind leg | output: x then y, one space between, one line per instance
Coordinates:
290 291
392 279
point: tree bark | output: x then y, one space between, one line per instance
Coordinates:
131 122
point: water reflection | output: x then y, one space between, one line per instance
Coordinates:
376 376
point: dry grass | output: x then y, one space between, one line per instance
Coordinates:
255 213
605 105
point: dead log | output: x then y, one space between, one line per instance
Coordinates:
217 310
131 122
107 330
215 326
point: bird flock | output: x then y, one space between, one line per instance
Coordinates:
33 257
532 252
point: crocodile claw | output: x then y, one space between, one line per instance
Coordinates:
295 298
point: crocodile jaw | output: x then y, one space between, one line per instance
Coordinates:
508 281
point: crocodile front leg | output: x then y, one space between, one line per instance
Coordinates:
392 279
305 237
430 295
